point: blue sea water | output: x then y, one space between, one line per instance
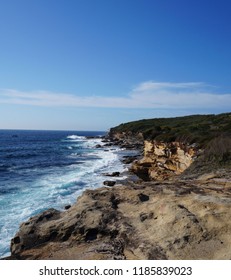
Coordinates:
44 169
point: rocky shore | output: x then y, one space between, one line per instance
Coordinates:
162 215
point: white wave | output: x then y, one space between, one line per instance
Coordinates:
57 188
76 137
74 154
91 143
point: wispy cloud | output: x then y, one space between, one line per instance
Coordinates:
145 95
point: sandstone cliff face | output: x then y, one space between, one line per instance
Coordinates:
164 160
152 220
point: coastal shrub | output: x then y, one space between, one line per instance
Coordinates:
200 129
219 150
150 134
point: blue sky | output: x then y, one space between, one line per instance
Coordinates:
93 64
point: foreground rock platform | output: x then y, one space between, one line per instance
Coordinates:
183 219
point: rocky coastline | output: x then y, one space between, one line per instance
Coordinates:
163 214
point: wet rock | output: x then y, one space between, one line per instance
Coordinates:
108 144
98 146
129 159
109 183
113 174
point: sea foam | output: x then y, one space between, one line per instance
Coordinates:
52 179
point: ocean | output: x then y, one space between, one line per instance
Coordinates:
48 169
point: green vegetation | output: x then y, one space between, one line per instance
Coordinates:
216 156
200 129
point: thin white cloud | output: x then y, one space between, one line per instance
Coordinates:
145 95
150 85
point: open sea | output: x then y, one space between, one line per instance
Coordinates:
44 169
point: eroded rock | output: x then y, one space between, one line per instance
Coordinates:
164 160
153 220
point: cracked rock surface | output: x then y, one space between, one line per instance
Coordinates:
187 219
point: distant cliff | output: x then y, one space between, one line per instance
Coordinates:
191 144
191 129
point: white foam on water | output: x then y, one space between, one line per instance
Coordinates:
76 137
58 188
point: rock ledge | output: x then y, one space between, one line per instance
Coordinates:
146 220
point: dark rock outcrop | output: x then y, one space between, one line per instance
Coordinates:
113 174
129 159
109 183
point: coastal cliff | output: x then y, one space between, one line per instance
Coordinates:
178 209
164 160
